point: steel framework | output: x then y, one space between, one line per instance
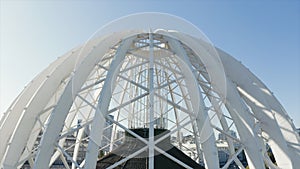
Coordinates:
151 78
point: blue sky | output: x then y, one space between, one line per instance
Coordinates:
264 36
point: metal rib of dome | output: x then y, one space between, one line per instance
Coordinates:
154 78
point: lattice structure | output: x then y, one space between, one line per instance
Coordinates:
146 78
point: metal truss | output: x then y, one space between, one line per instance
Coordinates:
79 107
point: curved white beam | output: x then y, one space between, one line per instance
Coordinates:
245 126
282 128
60 112
208 146
207 53
36 105
10 120
244 91
103 103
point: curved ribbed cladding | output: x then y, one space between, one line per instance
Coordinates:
132 144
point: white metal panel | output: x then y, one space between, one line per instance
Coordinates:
245 126
275 138
9 122
36 105
249 83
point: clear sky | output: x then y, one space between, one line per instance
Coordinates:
264 36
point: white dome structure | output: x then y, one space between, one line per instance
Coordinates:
146 71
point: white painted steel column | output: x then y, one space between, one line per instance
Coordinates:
151 103
103 103
194 124
77 145
61 142
202 119
48 140
224 124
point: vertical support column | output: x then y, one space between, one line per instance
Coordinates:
98 123
223 122
198 105
151 103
